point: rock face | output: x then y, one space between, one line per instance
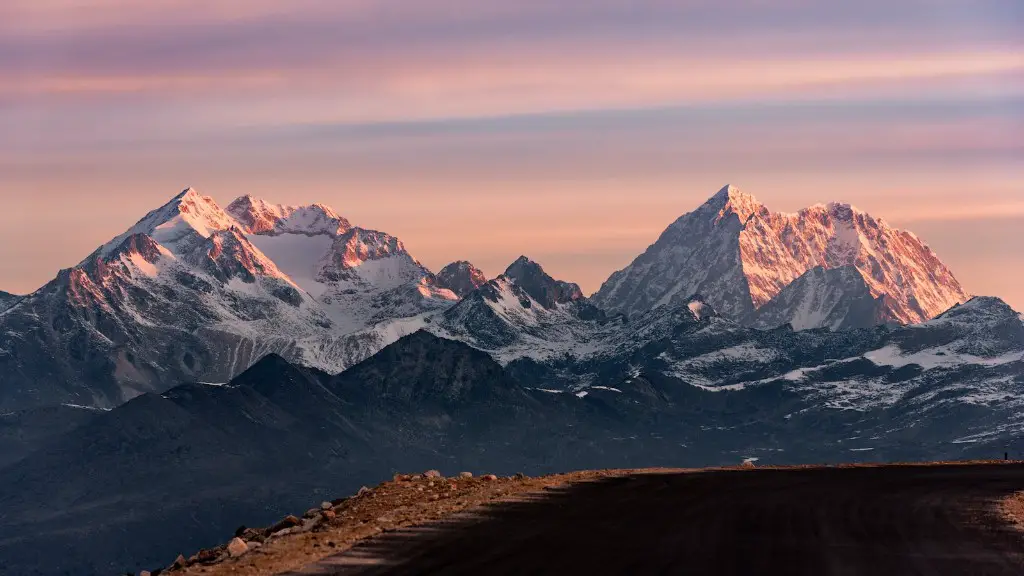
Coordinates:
836 298
740 255
461 278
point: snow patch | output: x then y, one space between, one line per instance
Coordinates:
940 357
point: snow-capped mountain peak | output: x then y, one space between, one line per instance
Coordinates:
732 200
741 255
186 218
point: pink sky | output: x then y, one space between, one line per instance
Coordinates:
573 132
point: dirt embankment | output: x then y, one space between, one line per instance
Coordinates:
907 502
405 501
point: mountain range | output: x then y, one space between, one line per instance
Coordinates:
213 367
194 292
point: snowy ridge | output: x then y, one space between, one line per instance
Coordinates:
258 216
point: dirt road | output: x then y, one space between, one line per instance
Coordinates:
898 520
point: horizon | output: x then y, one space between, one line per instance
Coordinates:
571 133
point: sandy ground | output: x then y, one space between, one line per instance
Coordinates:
935 519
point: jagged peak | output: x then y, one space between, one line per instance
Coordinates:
522 262
842 211
731 200
546 290
187 192
258 216
730 193
461 277
187 215
365 238
460 265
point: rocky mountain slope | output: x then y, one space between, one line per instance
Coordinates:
7 300
524 311
704 391
740 255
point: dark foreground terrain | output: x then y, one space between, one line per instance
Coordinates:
895 520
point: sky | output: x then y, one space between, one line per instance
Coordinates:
571 131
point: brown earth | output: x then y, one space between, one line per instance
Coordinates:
408 500
1013 507
908 519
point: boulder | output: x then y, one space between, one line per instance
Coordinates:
237 547
465 474
209 555
432 474
286 522
251 535
326 505
489 477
